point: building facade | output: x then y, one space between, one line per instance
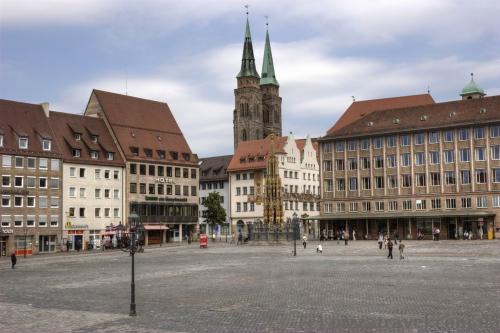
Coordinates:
399 168
93 200
31 171
257 111
161 172
299 176
215 178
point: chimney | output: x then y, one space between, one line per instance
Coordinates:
45 107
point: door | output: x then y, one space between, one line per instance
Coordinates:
3 246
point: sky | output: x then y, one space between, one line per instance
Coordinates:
187 53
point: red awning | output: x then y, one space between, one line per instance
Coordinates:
109 233
155 227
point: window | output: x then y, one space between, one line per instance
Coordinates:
178 172
6 161
82 212
5 181
435 178
340 207
116 212
419 158
42 202
436 203
23 143
479 132
94 154
463 134
433 157
379 182
496 201
339 147
110 156
30 221
327 185
238 207
365 144
496 175
46 145
391 141
366 206
495 152
6 220
82 192
352 145
378 162
352 164
405 159
107 192
495 131
480 153
77 153
327 148
32 162
393 205
353 184
19 162
339 165
185 190
142 169
379 206
1 140
133 168
433 137
97 174
185 173
327 166
77 136
18 201
18 220
42 220
451 203
365 163
406 204
54 202
106 212
466 202
448 136
18 181
482 202
5 200
54 165
194 174
420 204
142 188
406 180
449 156
420 179
365 183
378 143
71 212
449 178
245 190
134 151
116 193
353 206
465 177
193 191
419 139
43 163
97 212
480 176
72 172
72 192
404 140
391 161
238 191
30 182
42 182
54 183
465 155
82 172
133 188
392 181
340 184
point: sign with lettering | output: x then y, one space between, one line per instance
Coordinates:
70 225
167 199
164 180
6 231
14 191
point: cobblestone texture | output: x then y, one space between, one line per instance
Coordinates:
440 287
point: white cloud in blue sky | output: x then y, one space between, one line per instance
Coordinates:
188 53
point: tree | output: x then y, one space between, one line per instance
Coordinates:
215 214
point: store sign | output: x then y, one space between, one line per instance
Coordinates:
14 191
6 231
164 180
167 199
70 225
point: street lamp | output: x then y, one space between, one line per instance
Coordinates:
133 246
295 223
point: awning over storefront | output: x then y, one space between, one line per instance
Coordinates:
400 215
109 233
155 227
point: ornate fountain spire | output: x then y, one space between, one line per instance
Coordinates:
273 199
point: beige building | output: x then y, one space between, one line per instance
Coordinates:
407 166
31 173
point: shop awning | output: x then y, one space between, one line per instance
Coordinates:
400 215
109 233
155 227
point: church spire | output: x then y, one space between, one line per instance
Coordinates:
268 75
248 59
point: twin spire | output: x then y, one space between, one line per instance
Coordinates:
248 60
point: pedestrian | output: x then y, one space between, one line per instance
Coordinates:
385 241
401 250
13 259
240 239
338 237
389 247
380 240
304 241
346 237
354 235
319 249
396 237
233 239
481 233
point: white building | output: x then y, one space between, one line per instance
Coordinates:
92 180
299 172
215 178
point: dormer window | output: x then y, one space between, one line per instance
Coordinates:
1 140
134 151
94 138
110 156
175 155
161 154
23 143
148 152
77 153
46 145
77 136
94 154
186 157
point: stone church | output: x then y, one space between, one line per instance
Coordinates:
257 111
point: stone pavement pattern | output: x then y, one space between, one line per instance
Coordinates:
441 287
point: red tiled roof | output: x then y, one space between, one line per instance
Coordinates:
65 125
24 119
454 113
360 109
144 124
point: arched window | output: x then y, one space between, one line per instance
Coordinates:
244 135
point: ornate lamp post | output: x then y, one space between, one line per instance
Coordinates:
295 224
132 247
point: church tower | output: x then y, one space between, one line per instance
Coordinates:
271 101
247 114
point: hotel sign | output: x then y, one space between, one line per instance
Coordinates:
164 180
6 231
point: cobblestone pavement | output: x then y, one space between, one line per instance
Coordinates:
441 287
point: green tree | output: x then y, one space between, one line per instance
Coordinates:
215 214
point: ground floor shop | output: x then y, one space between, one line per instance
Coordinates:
425 225
26 241
246 227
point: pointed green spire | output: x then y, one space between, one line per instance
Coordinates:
248 60
268 75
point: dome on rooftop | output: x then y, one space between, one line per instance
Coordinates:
472 88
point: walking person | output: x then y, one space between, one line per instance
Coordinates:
13 259
354 235
401 250
389 247
319 249
240 239
380 240
346 237
338 237
304 241
385 241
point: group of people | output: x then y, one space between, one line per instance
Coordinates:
386 241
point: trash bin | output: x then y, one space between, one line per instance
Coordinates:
203 241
